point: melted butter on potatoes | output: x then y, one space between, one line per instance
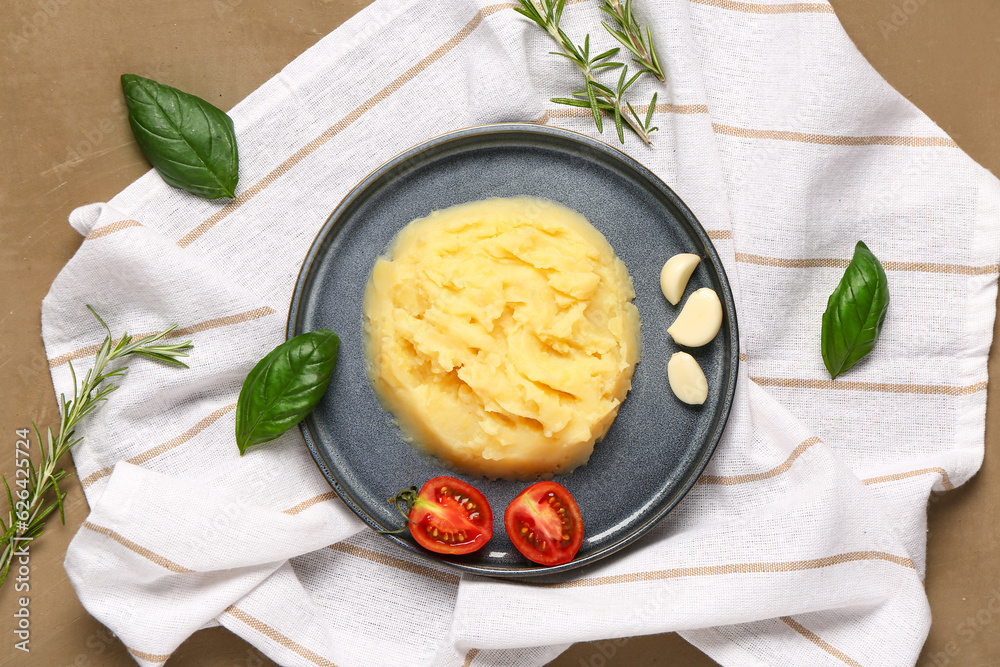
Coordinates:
502 336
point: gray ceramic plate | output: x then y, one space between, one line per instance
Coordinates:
657 446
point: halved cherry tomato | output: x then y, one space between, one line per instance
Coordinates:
544 523
448 516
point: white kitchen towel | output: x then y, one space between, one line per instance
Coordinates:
802 544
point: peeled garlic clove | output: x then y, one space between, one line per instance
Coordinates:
687 380
675 275
700 319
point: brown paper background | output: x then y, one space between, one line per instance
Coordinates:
64 142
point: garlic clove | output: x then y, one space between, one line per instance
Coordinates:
675 275
687 380
700 319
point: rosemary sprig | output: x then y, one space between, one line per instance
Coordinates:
596 96
629 33
27 514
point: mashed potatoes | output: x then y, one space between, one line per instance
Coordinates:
502 336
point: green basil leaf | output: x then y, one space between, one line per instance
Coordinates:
284 387
188 141
855 312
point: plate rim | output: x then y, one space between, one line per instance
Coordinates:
728 300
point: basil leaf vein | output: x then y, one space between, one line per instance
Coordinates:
284 387
190 143
855 312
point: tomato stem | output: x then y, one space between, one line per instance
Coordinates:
407 497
